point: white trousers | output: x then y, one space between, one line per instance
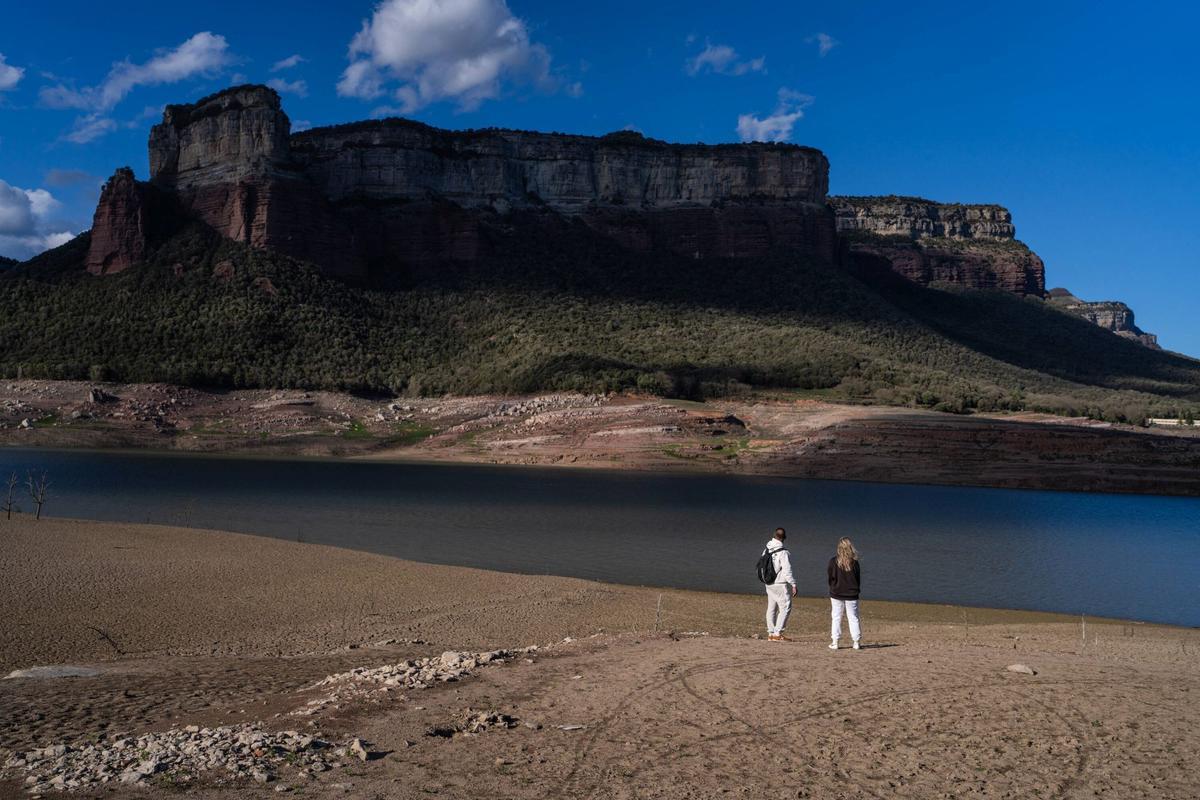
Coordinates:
779 605
849 609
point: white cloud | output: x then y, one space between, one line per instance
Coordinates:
25 226
298 88
777 127
437 50
824 43
51 240
288 63
300 125
89 127
723 59
203 54
10 76
574 89
41 203
16 212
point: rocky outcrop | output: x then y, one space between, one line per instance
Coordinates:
1109 314
499 169
392 193
119 225
227 160
390 196
915 218
240 133
928 242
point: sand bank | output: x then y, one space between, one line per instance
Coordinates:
206 628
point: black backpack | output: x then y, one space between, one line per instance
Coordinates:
766 566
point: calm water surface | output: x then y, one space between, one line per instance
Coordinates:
1107 555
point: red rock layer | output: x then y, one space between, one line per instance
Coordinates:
119 226
1010 266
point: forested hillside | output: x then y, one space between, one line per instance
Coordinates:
572 312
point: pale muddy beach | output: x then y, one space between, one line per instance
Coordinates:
199 628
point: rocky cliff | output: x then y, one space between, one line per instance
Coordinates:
929 242
364 196
369 198
119 225
1108 314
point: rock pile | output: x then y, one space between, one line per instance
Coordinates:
243 752
363 683
473 723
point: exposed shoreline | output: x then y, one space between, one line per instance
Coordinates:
182 627
769 436
107 561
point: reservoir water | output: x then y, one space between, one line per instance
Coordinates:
1128 556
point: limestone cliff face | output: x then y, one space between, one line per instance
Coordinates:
403 160
227 160
119 225
915 218
236 134
1110 314
929 242
369 197
395 191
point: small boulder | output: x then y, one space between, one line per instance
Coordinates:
1022 669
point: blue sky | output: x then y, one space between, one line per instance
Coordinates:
1082 118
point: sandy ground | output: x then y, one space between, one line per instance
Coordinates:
776 435
215 627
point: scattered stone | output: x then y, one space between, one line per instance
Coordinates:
1021 668
474 722
363 683
358 749
241 751
571 727
484 721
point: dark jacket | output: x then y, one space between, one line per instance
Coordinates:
843 584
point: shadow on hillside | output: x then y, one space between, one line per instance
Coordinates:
1023 332
1028 333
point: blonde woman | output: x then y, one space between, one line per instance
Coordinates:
844 581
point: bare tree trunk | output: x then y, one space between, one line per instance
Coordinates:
9 505
39 489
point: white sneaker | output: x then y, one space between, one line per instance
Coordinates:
856 647
833 646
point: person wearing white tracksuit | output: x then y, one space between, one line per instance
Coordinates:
781 592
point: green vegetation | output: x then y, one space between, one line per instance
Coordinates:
563 310
357 430
410 433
